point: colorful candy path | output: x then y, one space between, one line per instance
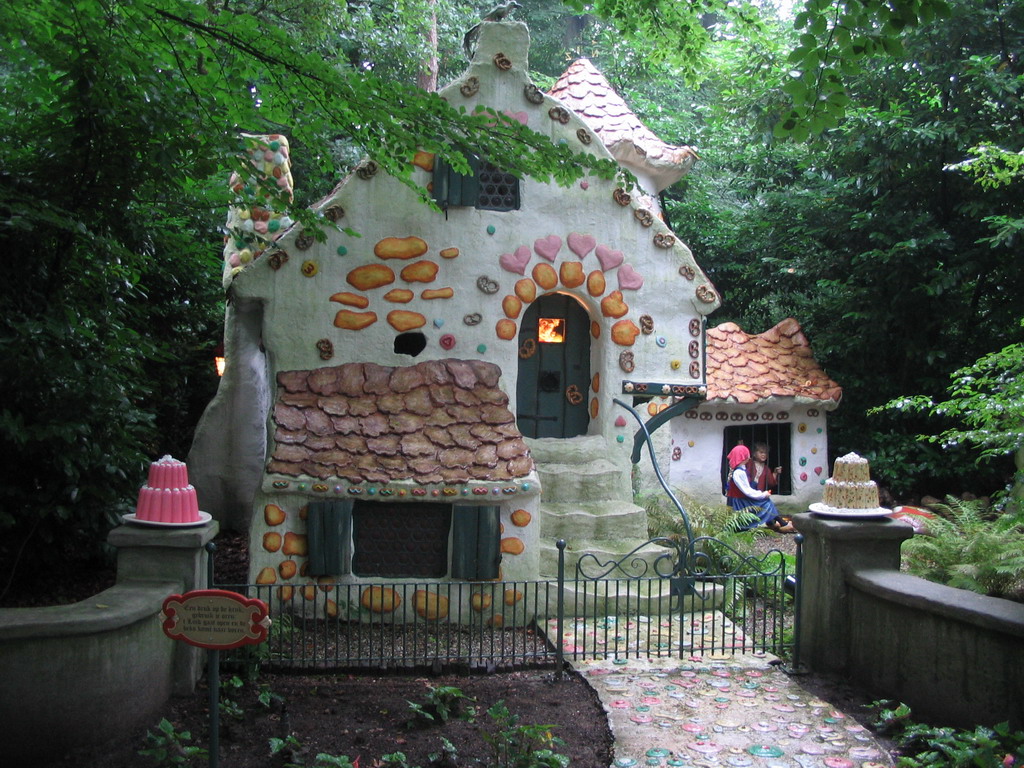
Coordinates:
711 710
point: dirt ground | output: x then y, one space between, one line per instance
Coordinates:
368 717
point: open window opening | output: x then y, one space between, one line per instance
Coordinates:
778 438
410 344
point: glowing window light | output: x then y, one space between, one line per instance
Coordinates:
551 330
219 361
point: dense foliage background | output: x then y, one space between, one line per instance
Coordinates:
825 192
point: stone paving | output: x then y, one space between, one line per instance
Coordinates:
707 710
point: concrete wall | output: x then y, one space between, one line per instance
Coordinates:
955 657
92 671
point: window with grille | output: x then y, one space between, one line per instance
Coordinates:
486 187
776 436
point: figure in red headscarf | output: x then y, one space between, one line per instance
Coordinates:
742 495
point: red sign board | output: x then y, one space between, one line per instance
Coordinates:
215 619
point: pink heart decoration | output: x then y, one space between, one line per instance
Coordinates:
516 262
609 258
581 245
620 421
629 278
584 185
548 247
817 470
520 117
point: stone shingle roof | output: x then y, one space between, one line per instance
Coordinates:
439 421
777 363
584 90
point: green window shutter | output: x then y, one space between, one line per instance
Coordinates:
329 537
476 542
452 188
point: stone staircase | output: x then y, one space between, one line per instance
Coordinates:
586 499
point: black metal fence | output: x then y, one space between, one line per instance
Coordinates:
670 600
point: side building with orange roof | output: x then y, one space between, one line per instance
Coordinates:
764 388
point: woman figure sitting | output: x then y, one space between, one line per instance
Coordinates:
742 496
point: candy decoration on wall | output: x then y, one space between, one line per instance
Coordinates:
609 258
581 244
571 274
403 320
526 290
545 276
612 305
370 276
624 333
486 285
516 261
325 348
419 272
350 299
505 329
548 247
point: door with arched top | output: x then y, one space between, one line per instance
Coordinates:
554 368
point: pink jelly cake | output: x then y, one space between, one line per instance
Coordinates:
167 497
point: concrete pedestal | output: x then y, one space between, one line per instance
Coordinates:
168 555
832 550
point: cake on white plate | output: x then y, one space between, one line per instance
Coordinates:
850 492
167 496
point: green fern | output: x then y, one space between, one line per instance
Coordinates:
969 547
717 520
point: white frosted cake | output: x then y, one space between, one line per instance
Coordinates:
851 486
850 491
167 496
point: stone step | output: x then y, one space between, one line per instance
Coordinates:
581 469
604 520
597 480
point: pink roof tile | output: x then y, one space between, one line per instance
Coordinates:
776 363
439 421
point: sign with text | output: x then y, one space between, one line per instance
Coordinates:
215 619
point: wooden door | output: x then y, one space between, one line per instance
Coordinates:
554 368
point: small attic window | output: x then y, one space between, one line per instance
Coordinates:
410 344
486 188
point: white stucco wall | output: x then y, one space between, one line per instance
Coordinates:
695 468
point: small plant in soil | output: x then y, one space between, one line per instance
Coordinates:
291 750
442 703
521 746
169 746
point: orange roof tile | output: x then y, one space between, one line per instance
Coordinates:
439 421
584 90
776 363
